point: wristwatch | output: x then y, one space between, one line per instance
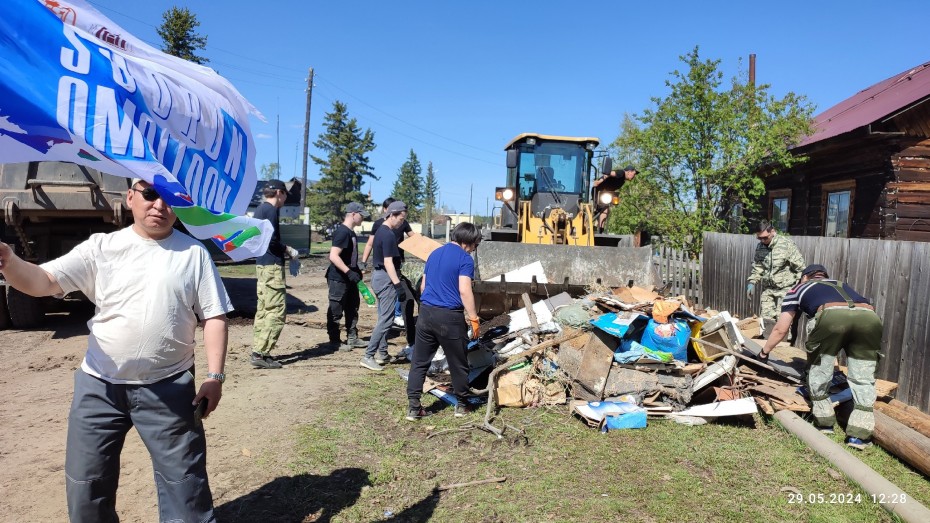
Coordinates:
218 376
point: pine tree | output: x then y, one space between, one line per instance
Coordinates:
177 32
343 169
409 186
430 193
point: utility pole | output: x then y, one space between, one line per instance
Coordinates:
303 179
278 132
470 192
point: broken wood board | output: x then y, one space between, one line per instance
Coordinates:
596 360
750 327
793 368
787 394
420 246
765 406
634 295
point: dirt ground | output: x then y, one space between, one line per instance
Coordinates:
249 437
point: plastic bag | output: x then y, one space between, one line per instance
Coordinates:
668 337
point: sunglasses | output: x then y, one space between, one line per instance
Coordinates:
148 194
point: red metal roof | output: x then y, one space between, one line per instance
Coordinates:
870 105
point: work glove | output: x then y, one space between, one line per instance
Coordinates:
401 292
363 266
294 267
292 252
750 289
474 328
353 276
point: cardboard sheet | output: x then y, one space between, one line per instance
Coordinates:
420 246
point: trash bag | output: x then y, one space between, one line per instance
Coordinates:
573 315
668 337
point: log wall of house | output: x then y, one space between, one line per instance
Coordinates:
909 194
863 160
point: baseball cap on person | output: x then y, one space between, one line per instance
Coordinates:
135 181
630 168
397 206
275 185
357 207
814 267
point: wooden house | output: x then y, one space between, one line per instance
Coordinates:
868 168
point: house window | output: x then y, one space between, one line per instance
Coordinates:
837 220
780 213
779 205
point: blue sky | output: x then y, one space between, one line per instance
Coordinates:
455 81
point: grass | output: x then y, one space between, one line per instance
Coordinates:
564 471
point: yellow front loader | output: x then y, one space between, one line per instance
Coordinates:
547 215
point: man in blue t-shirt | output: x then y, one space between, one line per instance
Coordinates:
445 294
839 318
386 283
342 277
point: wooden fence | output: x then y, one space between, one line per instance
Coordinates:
894 275
678 273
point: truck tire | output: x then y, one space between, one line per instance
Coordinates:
4 312
26 312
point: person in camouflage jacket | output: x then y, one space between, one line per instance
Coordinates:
776 267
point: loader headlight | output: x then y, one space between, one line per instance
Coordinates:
606 198
504 194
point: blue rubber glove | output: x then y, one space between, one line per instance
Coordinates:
750 289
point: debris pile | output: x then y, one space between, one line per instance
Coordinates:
623 356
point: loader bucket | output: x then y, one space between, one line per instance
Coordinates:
568 269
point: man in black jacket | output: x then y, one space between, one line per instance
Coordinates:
271 288
342 278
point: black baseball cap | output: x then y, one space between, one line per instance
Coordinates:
275 185
630 168
814 267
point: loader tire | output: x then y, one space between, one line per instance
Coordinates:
4 312
26 312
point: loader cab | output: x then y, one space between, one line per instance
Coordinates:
551 172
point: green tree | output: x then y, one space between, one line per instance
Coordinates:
343 168
179 36
430 193
705 148
408 187
271 171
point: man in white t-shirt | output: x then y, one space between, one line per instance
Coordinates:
151 285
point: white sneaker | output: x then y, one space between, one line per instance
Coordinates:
399 322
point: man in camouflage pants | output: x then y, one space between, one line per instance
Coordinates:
776 267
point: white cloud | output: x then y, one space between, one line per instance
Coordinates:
262 136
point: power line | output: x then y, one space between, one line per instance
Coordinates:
418 139
408 123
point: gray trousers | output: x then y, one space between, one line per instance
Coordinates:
102 413
387 295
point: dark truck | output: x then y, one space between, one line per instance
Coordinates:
48 208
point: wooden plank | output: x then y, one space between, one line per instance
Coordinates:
595 366
913 386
